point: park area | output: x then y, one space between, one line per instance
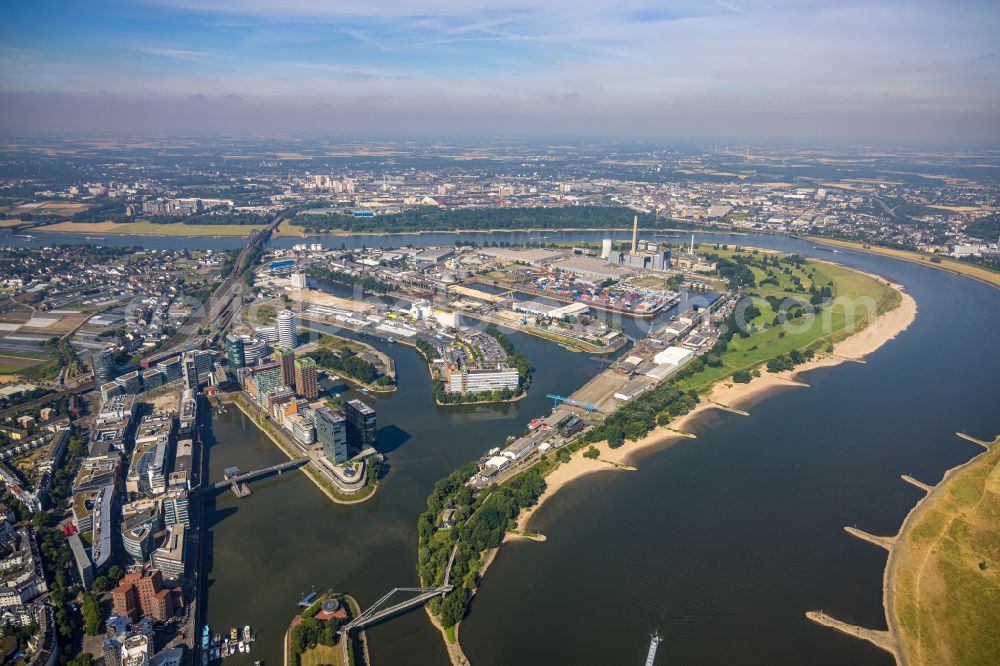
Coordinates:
314 637
855 298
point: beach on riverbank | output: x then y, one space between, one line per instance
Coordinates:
145 228
729 396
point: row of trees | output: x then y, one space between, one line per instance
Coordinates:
789 361
515 359
481 522
432 218
636 418
309 633
346 362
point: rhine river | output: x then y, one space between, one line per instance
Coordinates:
720 543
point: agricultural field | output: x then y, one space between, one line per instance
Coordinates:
12 365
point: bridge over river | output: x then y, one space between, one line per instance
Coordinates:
253 474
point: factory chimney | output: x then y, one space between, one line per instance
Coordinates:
635 235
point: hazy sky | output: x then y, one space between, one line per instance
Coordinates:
923 71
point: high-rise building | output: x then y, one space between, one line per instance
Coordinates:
287 329
172 369
104 366
169 557
285 358
190 370
258 381
360 424
130 382
140 593
305 378
196 364
204 361
139 533
331 433
234 351
255 352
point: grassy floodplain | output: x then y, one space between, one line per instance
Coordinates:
980 273
147 228
832 322
945 573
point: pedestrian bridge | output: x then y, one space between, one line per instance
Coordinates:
379 611
253 474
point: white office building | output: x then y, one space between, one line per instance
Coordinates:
287 329
484 379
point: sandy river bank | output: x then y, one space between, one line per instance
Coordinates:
735 397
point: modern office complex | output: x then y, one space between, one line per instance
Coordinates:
139 533
287 329
169 557
234 351
331 433
476 380
104 366
360 424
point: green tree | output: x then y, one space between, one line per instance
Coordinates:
82 659
100 585
93 623
741 377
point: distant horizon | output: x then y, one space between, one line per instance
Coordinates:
637 143
917 72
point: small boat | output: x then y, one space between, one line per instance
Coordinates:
215 653
248 647
225 649
204 659
654 643
243 646
233 635
246 633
